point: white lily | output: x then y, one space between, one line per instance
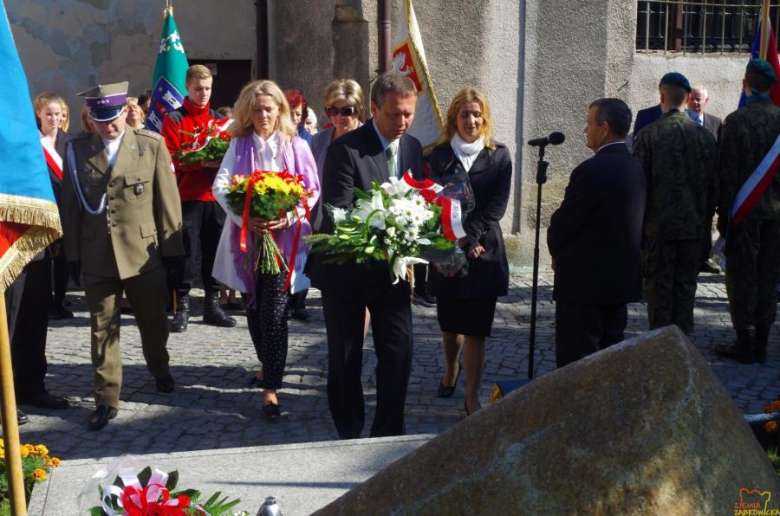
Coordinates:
395 186
373 206
339 215
401 265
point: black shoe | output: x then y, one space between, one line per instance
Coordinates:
21 418
424 300
182 316
708 268
445 391
165 384
43 400
213 313
60 312
272 410
300 314
736 352
100 418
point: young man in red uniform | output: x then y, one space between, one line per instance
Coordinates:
203 217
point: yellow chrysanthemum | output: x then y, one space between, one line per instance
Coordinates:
41 449
24 451
39 475
2 453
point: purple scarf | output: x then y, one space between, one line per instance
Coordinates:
298 160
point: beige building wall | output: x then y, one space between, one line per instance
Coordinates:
67 46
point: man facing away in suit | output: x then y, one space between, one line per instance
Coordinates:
374 152
696 107
595 236
121 217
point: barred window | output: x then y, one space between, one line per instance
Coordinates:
701 26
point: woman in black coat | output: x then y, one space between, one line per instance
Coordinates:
466 304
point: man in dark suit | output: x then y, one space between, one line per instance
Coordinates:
696 106
646 117
374 152
594 238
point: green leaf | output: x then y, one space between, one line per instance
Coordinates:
96 511
173 479
118 482
360 194
144 476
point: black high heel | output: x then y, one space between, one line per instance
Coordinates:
445 391
272 410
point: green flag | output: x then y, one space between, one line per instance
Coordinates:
168 83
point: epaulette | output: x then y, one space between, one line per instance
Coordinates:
148 134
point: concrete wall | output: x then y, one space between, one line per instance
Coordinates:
67 46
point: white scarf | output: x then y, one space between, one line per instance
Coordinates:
467 152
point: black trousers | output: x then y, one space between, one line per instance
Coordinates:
391 321
27 302
582 329
268 327
61 276
203 223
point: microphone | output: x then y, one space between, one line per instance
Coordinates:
555 138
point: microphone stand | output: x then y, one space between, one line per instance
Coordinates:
541 178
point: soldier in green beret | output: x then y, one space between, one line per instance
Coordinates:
678 158
122 223
753 245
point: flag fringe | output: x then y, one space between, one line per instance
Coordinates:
34 240
30 212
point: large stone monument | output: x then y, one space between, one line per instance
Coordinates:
643 427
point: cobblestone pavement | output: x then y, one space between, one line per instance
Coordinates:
211 408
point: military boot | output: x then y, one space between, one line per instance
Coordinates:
762 339
182 316
742 350
213 313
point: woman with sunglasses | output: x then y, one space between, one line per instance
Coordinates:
343 99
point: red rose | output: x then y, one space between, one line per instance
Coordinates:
428 195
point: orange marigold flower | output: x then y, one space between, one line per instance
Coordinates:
55 462
30 448
770 426
775 405
41 450
39 475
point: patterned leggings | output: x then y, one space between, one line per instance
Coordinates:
268 327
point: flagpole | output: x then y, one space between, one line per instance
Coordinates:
13 455
765 28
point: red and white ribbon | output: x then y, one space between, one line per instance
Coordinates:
452 214
53 159
755 186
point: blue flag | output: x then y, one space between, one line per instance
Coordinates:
29 219
168 83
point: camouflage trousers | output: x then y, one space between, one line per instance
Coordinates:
752 272
669 269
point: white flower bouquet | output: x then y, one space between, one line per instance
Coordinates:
398 222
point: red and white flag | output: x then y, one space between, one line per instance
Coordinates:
409 59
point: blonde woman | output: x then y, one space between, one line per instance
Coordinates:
48 112
466 305
264 139
135 115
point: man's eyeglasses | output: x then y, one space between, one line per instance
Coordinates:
345 111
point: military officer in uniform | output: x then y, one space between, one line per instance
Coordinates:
123 232
678 158
753 245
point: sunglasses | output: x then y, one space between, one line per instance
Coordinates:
345 111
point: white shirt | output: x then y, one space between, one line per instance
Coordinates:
387 143
112 148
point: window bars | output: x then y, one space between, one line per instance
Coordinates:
700 27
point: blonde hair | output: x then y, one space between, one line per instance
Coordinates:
132 101
245 106
460 99
85 124
197 72
43 100
347 90
65 115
